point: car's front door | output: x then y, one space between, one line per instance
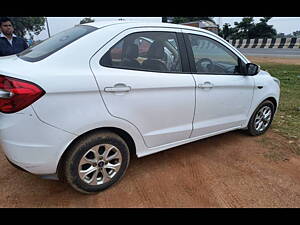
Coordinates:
223 93
142 80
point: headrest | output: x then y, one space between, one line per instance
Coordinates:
156 51
132 51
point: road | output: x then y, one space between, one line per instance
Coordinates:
271 52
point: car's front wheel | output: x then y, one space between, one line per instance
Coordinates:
96 162
261 119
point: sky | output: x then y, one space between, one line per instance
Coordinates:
285 25
58 24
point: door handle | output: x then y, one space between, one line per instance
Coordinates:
118 88
206 85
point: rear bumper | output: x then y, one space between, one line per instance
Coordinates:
16 166
31 144
46 176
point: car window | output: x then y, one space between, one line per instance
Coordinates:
55 43
212 57
148 51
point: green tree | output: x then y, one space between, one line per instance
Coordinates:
262 29
87 20
280 35
242 29
190 19
23 25
227 32
296 33
247 29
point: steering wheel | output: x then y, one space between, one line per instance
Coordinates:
204 65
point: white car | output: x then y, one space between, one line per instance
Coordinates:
77 105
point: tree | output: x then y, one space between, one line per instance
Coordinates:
247 29
242 29
87 20
190 19
296 33
262 29
23 25
227 32
280 35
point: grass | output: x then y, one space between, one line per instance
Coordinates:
274 152
287 119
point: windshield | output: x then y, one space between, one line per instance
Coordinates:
55 43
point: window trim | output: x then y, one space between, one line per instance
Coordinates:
185 66
191 57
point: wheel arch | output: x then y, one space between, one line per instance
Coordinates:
122 133
273 100
270 98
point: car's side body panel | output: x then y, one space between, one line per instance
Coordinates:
222 100
224 106
166 114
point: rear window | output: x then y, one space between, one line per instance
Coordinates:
55 43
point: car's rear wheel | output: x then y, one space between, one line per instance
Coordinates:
261 119
96 162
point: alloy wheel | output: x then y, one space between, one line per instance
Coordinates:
100 164
263 118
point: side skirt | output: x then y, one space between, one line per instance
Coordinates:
178 143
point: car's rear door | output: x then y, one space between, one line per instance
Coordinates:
159 103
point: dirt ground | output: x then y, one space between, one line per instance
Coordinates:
228 170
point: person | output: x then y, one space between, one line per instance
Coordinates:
10 44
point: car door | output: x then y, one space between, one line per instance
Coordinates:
154 94
223 94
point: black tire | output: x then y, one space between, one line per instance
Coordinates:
83 150
251 125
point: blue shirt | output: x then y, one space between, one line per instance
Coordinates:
18 45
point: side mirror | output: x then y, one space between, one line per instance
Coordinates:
252 69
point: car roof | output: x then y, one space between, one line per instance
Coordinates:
129 24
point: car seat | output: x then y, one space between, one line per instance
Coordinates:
155 57
131 53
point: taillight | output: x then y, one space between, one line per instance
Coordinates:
16 94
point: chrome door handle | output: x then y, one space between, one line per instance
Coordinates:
118 88
206 85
